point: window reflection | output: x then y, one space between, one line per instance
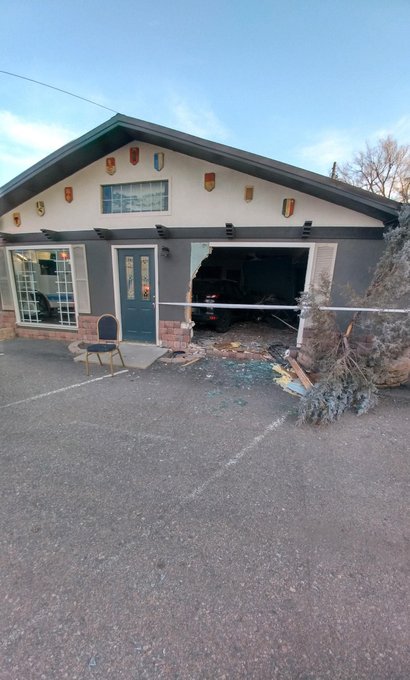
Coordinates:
44 286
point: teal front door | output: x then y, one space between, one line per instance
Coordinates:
136 268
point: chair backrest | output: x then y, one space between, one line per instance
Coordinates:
107 327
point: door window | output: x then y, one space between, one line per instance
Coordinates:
129 276
145 287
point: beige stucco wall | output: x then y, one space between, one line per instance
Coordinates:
189 204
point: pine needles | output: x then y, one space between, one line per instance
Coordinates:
351 364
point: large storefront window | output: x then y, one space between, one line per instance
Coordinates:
44 286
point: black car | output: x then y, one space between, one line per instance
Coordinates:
219 291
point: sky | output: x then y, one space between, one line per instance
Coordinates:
306 82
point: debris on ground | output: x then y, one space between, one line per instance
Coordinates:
184 357
244 340
229 345
288 381
297 368
290 374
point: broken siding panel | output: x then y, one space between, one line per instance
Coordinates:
81 279
6 295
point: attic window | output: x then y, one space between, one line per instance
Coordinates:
135 197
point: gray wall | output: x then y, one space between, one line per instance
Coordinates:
355 262
174 277
100 278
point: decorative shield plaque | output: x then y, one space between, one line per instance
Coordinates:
110 166
68 194
248 195
288 207
41 208
134 155
209 181
158 161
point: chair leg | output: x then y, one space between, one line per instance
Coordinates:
99 359
87 364
119 352
112 370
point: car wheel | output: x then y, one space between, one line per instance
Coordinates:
224 323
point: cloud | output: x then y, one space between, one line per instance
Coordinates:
330 146
341 145
400 130
24 142
200 121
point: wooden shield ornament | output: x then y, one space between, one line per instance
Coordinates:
209 181
17 219
110 165
159 160
41 208
134 155
248 195
68 194
288 207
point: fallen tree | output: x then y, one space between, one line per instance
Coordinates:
352 364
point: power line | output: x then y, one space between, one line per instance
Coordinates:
52 87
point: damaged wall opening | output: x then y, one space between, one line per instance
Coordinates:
249 275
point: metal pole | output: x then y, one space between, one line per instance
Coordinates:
218 305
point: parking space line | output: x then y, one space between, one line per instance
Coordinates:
61 389
237 457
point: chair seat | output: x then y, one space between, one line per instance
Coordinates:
101 348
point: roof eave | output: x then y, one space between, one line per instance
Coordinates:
120 130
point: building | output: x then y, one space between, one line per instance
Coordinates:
124 218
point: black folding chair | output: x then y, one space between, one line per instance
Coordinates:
107 330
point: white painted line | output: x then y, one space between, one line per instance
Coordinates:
235 459
61 389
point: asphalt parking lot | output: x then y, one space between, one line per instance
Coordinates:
175 523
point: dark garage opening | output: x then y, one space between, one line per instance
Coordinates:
249 275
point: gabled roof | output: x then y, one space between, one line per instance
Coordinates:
120 130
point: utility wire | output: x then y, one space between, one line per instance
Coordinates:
52 87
